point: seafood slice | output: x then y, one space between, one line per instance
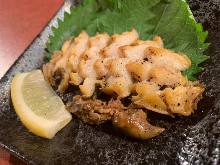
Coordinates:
165 57
166 76
134 123
149 97
76 49
94 111
119 40
139 69
117 85
136 51
183 99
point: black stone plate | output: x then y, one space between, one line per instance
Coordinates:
192 140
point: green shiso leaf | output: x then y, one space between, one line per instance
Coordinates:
125 15
80 17
170 19
176 25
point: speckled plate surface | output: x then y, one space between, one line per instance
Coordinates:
192 140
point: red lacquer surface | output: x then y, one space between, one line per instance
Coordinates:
20 22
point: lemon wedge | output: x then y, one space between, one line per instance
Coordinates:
37 104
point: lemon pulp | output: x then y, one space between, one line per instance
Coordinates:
37 104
